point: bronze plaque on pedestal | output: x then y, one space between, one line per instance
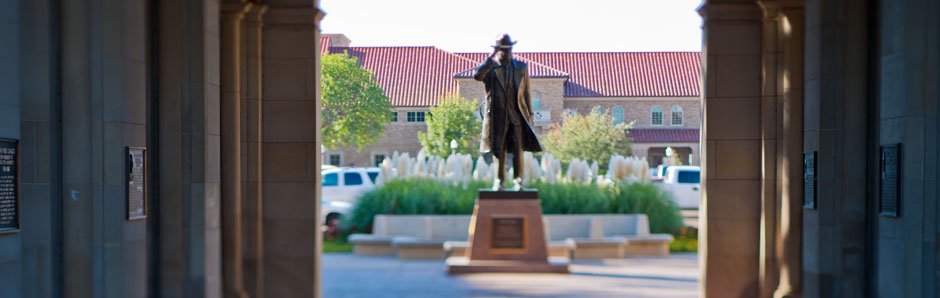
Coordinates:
508 234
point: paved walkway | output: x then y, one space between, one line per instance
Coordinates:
345 275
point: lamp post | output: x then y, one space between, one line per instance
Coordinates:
453 147
670 160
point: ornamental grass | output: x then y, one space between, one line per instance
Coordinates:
429 196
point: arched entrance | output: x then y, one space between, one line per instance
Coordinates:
819 140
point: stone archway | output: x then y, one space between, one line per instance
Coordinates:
751 216
95 77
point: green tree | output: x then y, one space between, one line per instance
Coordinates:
588 137
354 105
452 119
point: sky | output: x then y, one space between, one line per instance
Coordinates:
538 26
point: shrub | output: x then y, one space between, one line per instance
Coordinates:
686 240
573 198
452 119
592 136
413 196
648 199
428 196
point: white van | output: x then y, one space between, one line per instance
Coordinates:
342 187
684 184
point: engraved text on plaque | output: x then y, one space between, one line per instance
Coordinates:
9 186
136 183
890 173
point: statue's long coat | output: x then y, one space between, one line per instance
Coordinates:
495 117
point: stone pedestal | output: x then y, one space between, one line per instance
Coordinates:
507 235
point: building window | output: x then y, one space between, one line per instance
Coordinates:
657 116
676 115
536 100
335 159
617 112
393 117
570 112
415 117
597 109
377 159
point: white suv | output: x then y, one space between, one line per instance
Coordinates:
342 187
683 182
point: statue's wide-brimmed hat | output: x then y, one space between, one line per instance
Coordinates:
504 42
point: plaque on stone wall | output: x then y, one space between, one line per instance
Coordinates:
508 233
9 186
809 180
890 180
136 183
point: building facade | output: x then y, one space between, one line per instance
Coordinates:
657 92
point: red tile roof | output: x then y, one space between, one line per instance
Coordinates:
411 76
536 70
325 44
640 74
663 135
420 76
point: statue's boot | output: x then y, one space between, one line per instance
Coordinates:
517 184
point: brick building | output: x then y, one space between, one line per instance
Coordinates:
657 91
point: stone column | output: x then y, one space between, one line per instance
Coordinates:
731 134
14 124
771 42
251 151
34 271
790 145
189 147
104 99
291 148
232 14
835 109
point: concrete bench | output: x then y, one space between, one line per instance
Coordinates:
560 247
599 236
583 233
634 230
574 231
439 229
581 236
384 229
560 232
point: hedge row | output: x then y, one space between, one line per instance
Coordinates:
428 196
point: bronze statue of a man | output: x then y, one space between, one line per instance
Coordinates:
507 115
